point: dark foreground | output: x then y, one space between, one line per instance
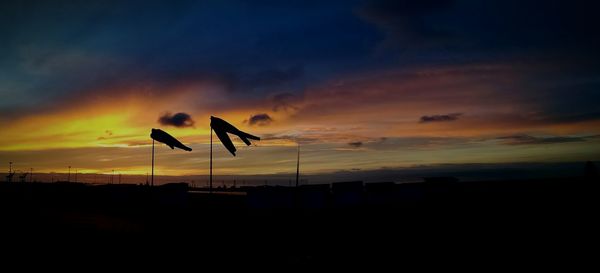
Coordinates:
442 224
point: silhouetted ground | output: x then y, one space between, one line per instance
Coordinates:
440 223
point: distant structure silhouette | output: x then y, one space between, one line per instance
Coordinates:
9 177
222 128
10 172
23 176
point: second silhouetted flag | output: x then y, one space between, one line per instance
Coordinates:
222 127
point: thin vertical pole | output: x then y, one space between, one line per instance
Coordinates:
152 181
298 166
210 179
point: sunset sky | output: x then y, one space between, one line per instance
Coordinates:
360 85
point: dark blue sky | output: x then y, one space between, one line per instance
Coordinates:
258 46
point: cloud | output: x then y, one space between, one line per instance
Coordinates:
177 120
283 101
471 29
107 134
356 144
324 137
394 95
74 59
260 119
403 21
83 68
376 143
573 118
418 143
439 118
290 138
532 140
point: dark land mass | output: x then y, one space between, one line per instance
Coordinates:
516 224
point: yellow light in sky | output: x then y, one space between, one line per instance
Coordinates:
63 131
108 123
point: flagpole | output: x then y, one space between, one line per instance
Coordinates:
152 181
210 179
298 166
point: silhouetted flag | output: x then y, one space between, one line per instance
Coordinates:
222 127
162 136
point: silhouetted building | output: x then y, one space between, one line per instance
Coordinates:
440 179
379 194
440 188
591 172
409 193
270 197
313 196
348 194
173 194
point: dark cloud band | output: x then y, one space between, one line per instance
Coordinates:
260 119
177 120
532 140
440 118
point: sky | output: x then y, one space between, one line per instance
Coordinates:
359 85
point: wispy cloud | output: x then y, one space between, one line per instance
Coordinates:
533 140
440 118
356 144
289 139
284 101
